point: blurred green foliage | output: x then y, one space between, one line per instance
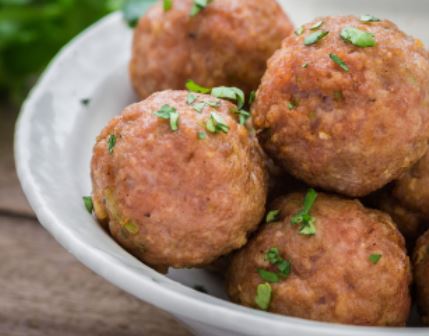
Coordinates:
32 31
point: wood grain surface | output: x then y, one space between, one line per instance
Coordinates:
44 290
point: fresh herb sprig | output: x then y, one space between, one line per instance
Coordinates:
169 113
304 216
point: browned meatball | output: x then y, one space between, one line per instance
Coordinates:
227 43
180 197
341 116
421 275
353 270
412 189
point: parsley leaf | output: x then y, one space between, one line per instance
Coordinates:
317 25
111 142
375 258
215 124
169 113
263 296
268 276
202 135
299 31
167 5
191 98
132 10
194 87
369 18
87 201
199 107
252 97
198 6
303 216
274 258
272 216
231 93
357 37
315 37
339 61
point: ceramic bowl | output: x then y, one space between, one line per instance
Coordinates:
54 138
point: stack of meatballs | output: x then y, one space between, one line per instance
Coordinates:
315 189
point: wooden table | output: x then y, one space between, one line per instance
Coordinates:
44 290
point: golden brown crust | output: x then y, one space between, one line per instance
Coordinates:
228 43
421 275
332 278
171 198
352 132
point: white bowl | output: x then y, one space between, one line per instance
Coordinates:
54 137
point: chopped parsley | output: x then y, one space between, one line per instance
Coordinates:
339 62
317 25
132 10
274 258
268 276
272 216
89 206
291 105
111 142
198 6
215 124
131 227
243 116
369 18
315 37
304 217
167 4
199 107
194 87
299 31
231 93
202 135
191 98
169 113
213 103
357 37
305 65
252 97
375 258
263 296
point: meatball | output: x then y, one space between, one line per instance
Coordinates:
421 275
227 43
412 189
345 105
179 192
352 270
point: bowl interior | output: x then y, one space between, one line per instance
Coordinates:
54 141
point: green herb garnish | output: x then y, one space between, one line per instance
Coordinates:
263 296
272 216
292 105
268 276
131 227
167 4
133 9
357 37
305 65
315 37
169 113
202 135
273 255
369 18
317 25
194 87
89 205
111 142
299 31
199 107
339 61
304 217
375 258
198 6
215 124
191 98
243 116
274 258
213 103
252 97
231 93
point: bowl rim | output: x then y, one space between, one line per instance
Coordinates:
228 316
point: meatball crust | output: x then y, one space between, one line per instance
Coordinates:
412 189
332 278
350 131
170 197
421 275
227 43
